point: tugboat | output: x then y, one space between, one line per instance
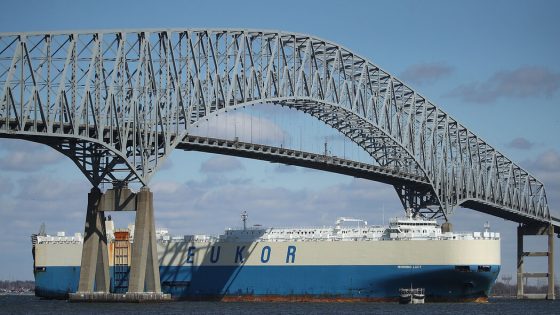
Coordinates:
411 295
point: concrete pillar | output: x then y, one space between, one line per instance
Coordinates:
102 277
94 264
153 283
550 293
520 292
144 266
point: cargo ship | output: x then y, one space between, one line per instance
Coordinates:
351 261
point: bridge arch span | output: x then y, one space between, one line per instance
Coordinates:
380 145
137 92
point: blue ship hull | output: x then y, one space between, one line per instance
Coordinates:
312 283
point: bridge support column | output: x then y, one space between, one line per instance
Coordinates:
144 278
520 279
550 294
144 267
95 259
547 230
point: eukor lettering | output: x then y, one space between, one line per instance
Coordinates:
291 255
190 254
239 254
266 253
215 254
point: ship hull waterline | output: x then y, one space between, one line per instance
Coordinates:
296 283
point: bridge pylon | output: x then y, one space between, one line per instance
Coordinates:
542 230
144 278
144 267
95 261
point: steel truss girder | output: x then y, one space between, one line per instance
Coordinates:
136 93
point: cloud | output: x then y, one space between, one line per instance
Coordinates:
283 168
220 164
46 198
546 168
47 189
202 206
165 187
521 144
6 186
524 82
245 127
546 162
426 73
59 203
167 165
25 156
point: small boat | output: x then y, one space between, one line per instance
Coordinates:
411 295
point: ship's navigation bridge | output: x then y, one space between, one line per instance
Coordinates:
118 102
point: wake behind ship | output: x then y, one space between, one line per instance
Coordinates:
348 262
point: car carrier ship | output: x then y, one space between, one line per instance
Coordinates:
351 261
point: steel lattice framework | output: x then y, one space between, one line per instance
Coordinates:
118 102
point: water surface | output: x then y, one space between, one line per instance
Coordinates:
29 304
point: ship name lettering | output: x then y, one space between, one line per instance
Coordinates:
190 254
291 255
265 254
214 258
239 254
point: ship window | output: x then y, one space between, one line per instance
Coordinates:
463 268
484 268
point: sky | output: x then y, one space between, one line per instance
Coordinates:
492 65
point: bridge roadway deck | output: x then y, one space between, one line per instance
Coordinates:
256 151
304 159
338 165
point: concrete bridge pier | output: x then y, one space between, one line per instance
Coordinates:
95 259
144 267
545 230
144 277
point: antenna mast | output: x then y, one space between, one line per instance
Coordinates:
244 219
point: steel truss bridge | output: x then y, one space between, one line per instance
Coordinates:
118 102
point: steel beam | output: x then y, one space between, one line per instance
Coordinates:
132 104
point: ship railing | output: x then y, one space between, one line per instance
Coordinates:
316 238
472 235
249 228
59 239
444 236
190 238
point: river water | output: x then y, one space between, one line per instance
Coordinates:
29 304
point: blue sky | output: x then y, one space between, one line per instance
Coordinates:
493 65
